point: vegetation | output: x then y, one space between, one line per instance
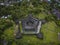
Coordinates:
40 10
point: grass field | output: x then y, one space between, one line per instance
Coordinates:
48 29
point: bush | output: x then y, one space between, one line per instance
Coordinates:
4 24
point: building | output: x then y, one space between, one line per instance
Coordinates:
58 36
9 2
56 13
31 25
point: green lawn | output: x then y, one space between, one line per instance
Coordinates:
48 29
50 33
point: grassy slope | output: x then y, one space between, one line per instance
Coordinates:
48 29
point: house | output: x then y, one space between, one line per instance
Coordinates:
31 25
8 2
47 0
5 17
58 36
56 13
57 1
